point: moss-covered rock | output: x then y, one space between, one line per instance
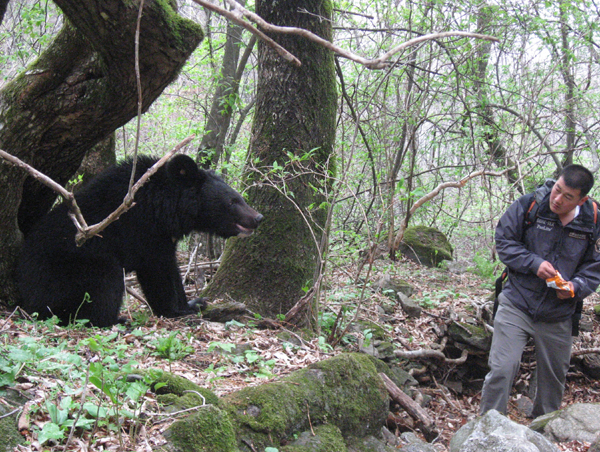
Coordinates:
344 391
167 383
326 438
10 437
473 335
428 246
207 430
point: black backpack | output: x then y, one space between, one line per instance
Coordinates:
530 218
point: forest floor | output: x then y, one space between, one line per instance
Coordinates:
57 369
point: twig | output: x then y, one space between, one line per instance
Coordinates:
426 353
232 16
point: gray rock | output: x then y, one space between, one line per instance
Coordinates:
409 306
368 444
591 366
391 285
414 444
580 421
473 335
493 432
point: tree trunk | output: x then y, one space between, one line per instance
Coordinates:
497 151
96 160
295 113
225 97
79 91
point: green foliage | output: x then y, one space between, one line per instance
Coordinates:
485 268
116 397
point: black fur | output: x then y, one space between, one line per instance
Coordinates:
55 276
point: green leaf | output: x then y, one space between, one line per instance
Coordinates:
50 431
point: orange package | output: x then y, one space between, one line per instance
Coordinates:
557 282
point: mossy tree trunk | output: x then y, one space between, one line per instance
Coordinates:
295 114
75 94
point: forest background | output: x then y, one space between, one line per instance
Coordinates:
513 112
446 134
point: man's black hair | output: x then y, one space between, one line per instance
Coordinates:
578 177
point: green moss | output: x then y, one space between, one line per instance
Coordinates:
180 28
207 430
173 384
326 438
344 391
429 244
9 433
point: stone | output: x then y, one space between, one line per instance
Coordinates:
426 246
473 335
409 306
390 285
591 366
494 432
580 421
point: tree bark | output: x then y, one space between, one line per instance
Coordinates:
497 151
295 113
75 94
225 96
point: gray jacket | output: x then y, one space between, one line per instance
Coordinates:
574 250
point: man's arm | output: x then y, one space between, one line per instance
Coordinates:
510 244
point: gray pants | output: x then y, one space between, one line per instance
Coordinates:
512 329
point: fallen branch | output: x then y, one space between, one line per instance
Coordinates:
414 410
426 353
588 351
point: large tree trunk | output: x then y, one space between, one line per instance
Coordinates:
295 113
79 91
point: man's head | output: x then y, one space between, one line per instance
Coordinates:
571 189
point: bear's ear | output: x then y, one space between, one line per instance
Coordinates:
182 169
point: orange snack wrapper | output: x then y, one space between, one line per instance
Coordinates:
557 282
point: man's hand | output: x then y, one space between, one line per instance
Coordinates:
565 294
546 270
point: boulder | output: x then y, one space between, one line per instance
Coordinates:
410 307
493 432
580 421
392 285
425 245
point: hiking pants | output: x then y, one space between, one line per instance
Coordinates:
512 329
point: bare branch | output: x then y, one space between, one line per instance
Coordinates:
85 232
436 191
77 217
232 16
239 12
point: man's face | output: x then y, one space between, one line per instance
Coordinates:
563 199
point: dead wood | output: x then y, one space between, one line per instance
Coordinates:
423 419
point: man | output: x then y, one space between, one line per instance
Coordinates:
561 238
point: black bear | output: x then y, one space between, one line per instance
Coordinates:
55 277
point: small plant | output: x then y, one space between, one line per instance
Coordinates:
485 267
171 348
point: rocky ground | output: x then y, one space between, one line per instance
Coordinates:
53 370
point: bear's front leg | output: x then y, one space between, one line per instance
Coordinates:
162 286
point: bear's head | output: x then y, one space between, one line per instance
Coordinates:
207 204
